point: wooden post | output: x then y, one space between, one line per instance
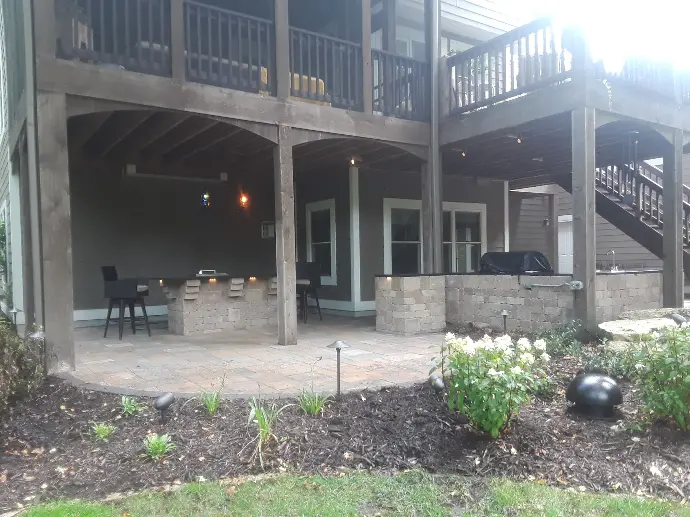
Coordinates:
552 231
45 30
177 40
285 238
673 221
282 38
389 16
55 230
584 231
367 78
26 239
427 221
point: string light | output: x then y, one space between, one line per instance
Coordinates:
244 200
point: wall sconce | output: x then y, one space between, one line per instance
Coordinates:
546 223
161 282
244 200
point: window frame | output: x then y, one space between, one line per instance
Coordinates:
320 206
448 206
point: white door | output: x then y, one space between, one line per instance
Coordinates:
565 244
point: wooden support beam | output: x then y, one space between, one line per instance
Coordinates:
162 123
584 231
128 122
285 238
427 222
183 133
389 17
282 30
87 126
367 77
229 133
177 41
673 222
45 27
56 230
552 231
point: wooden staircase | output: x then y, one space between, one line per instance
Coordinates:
630 197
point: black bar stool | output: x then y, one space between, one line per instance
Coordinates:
124 292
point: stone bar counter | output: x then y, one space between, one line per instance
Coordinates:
212 304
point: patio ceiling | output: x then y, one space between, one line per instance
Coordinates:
543 154
171 143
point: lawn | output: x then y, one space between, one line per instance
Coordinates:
410 494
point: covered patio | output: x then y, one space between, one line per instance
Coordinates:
250 362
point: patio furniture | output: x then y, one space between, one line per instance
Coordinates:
308 283
125 291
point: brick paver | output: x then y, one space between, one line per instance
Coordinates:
249 362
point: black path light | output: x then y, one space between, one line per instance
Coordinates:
504 313
162 404
338 346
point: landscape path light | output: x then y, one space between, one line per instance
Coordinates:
338 346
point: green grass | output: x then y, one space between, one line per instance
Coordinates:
411 494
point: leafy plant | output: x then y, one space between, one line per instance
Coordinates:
102 431
211 402
490 379
265 417
158 445
614 359
662 369
21 365
130 406
312 403
563 340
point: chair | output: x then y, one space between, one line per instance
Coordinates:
309 271
125 291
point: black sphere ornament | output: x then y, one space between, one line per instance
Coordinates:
594 394
678 319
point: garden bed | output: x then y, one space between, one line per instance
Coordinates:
47 449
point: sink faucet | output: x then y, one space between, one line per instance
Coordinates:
613 259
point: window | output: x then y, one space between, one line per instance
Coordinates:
321 238
464 236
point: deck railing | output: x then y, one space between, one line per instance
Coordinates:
228 49
655 77
325 70
507 66
637 185
132 34
401 86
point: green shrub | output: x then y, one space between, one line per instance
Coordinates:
489 379
265 417
563 340
158 445
21 365
662 370
615 359
211 401
102 431
312 403
130 406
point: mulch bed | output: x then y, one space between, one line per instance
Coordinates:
47 450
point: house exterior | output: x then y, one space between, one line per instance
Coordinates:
166 137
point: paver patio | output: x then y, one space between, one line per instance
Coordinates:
248 363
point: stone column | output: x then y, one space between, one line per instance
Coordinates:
673 222
584 232
55 257
285 238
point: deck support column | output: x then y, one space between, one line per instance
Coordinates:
552 231
673 222
285 238
283 77
584 231
177 40
55 229
367 79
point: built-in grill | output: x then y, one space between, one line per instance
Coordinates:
514 263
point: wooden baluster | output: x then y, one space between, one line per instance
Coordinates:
232 75
250 56
198 41
221 73
188 37
210 46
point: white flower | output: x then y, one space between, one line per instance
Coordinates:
450 337
545 357
527 358
524 344
540 345
508 353
639 366
493 372
468 346
516 370
504 341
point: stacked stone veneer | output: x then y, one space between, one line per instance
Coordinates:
482 298
620 292
200 306
410 305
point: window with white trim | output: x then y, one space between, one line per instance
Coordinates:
321 239
464 236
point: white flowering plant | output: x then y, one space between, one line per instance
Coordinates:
489 379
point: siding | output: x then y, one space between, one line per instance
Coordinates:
374 186
527 230
13 14
158 228
319 186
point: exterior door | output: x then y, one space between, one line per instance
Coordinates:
565 244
